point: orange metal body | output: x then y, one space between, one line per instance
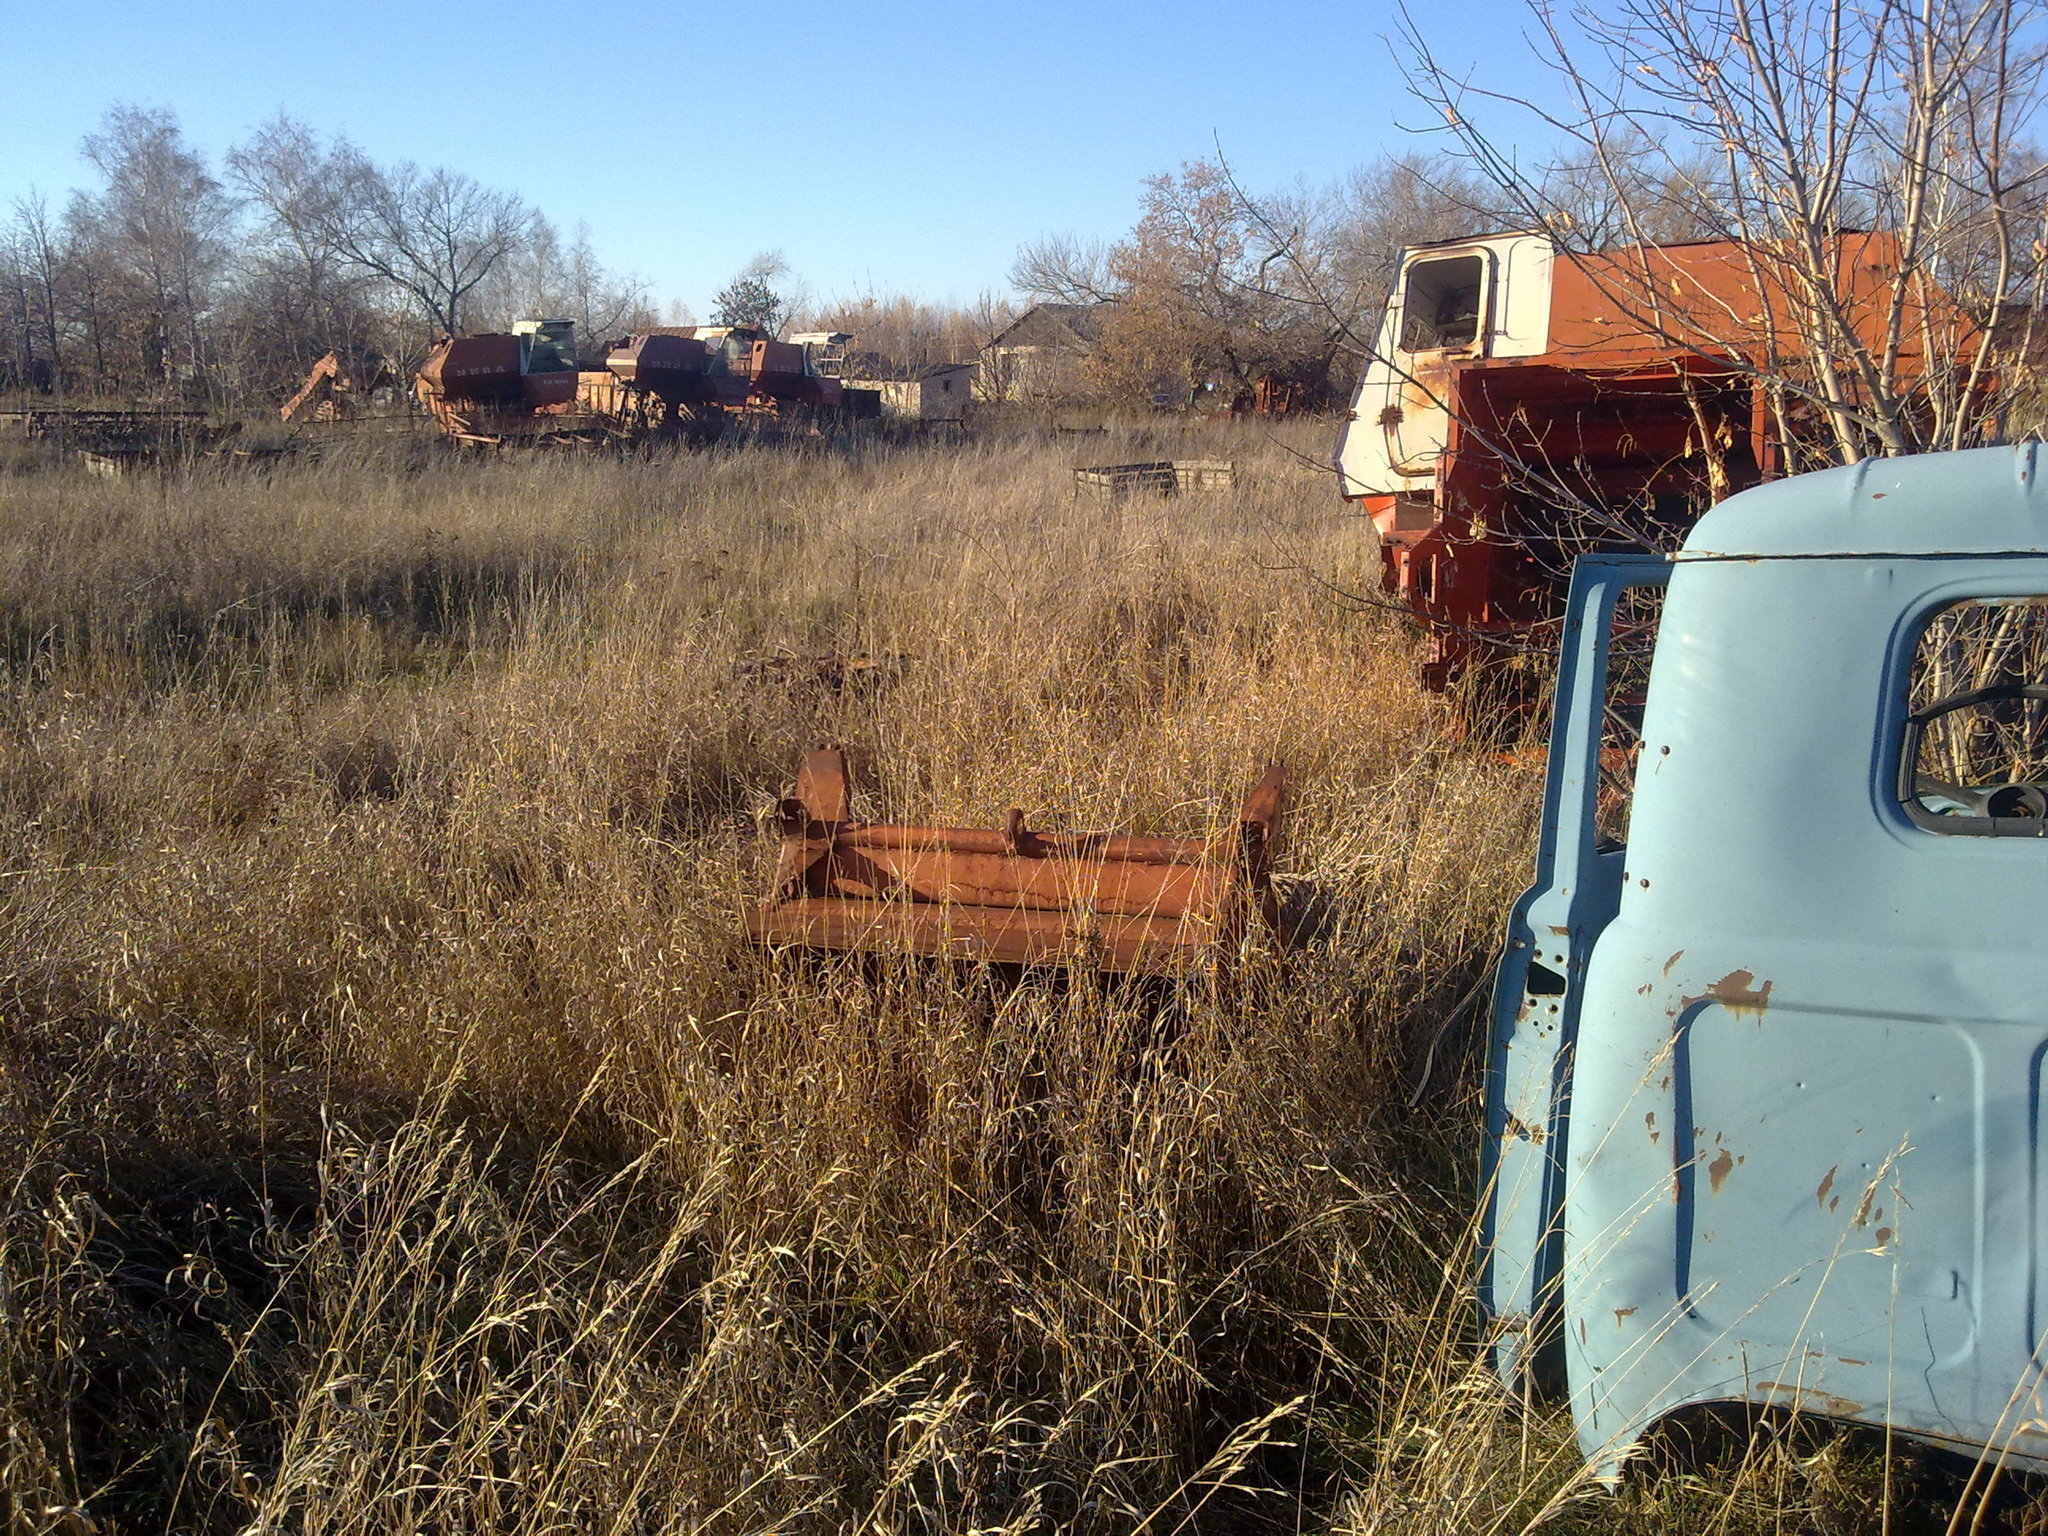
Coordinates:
1110 903
1646 403
775 359
316 394
473 388
473 368
671 368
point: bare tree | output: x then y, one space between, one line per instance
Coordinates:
162 223
897 336
563 278
433 235
297 294
1064 270
33 266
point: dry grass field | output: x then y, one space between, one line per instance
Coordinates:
397 1134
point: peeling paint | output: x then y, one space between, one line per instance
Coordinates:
1739 993
1676 957
1719 1169
1622 1315
1813 1397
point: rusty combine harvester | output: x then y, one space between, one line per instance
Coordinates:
699 380
505 390
683 382
1092 900
1512 381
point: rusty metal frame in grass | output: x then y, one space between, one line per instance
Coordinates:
1090 900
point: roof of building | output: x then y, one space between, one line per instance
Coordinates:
898 376
1076 326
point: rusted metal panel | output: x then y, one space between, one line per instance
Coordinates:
775 359
1109 901
464 368
1725 298
670 367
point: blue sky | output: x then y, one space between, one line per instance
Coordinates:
897 145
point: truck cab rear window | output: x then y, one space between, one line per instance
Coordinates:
1975 755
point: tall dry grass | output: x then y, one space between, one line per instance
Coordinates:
398 1134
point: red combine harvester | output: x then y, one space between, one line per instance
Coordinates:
500 390
1524 406
698 380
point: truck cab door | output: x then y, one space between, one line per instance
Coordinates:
1537 994
1443 318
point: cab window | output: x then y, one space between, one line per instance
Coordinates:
1974 761
1441 303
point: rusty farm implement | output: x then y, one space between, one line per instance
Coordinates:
1091 900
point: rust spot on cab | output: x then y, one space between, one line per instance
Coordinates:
1738 992
1680 955
1820 1196
1517 1126
1719 1169
1650 1124
1813 1398
1622 1314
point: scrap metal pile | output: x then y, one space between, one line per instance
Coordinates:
116 441
336 388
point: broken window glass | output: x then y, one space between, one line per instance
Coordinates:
1441 303
1632 637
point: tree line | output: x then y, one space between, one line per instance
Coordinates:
1773 124
176 281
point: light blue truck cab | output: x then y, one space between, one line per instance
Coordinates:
1765 1087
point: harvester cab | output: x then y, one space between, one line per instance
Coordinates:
546 346
1523 401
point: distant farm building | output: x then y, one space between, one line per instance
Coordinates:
938 393
1042 354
